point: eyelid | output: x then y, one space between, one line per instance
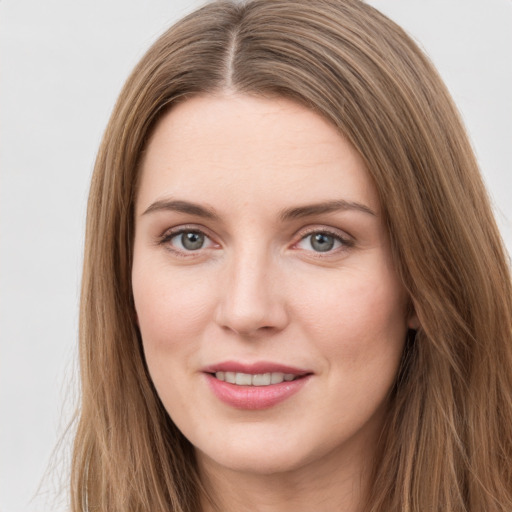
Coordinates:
322 228
346 240
170 233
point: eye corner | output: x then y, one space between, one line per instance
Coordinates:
187 241
323 242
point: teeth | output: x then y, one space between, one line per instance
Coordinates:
257 379
243 379
276 378
261 379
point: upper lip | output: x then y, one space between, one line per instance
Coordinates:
254 368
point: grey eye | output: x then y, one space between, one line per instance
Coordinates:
322 242
189 240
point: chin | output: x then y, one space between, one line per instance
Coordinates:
258 458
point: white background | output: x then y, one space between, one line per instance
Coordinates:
62 65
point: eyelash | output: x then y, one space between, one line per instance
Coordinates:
166 238
344 241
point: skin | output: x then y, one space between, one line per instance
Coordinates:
258 290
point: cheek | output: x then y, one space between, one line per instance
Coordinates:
169 308
358 317
171 315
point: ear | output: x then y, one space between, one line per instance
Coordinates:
134 315
413 321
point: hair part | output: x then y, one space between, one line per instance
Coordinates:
447 442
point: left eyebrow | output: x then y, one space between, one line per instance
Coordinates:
327 207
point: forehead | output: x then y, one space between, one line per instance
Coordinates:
251 149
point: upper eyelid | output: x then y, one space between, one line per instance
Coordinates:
308 230
165 238
299 235
176 230
168 234
345 240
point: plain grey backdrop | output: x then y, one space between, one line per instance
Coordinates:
62 65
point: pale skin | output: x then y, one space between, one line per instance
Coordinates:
259 237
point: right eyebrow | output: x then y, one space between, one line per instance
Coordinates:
182 207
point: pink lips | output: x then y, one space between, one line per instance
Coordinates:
254 397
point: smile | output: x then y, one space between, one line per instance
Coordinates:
254 386
257 379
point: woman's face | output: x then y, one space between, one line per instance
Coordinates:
271 315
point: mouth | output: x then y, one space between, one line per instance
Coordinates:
255 374
255 386
256 379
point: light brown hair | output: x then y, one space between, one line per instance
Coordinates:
447 442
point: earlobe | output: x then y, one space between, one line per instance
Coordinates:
413 321
135 316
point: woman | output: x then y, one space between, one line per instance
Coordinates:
294 295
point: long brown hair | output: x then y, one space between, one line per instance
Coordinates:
447 442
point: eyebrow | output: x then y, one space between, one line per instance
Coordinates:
285 215
182 207
326 207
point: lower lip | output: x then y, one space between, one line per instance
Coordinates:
254 397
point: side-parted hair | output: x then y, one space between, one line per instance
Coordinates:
447 441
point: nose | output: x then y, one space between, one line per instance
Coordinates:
252 299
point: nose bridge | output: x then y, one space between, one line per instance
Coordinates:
250 300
